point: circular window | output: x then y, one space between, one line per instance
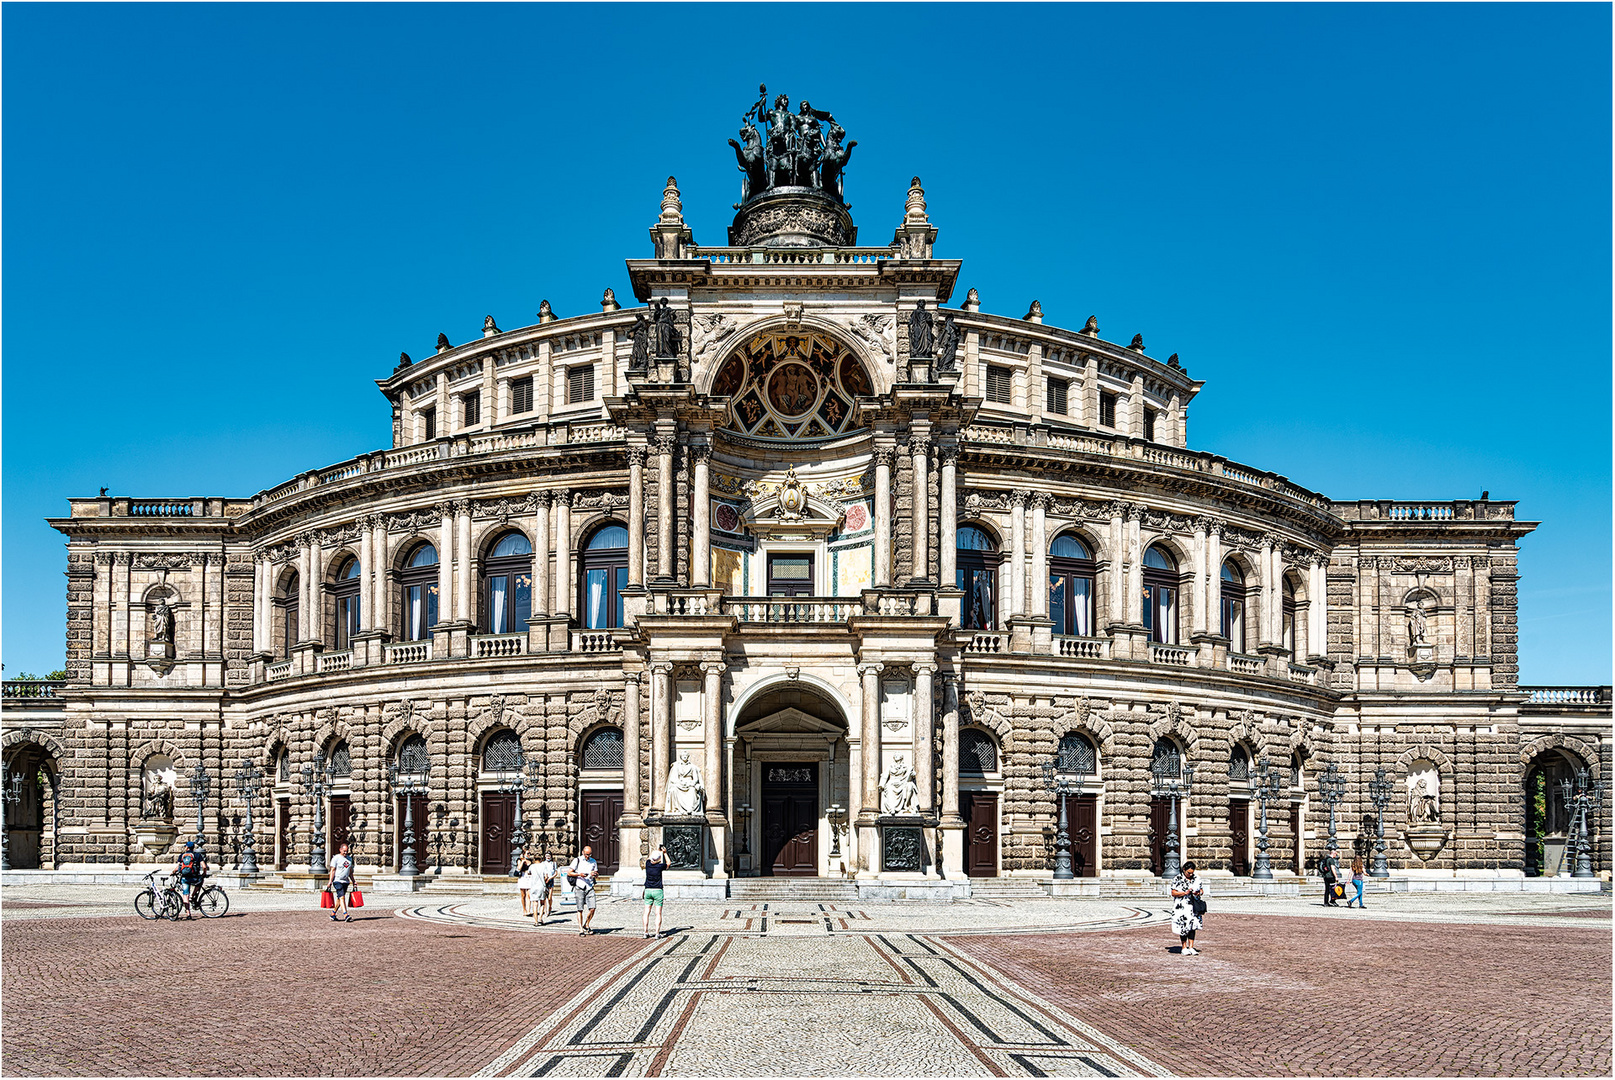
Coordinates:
791 386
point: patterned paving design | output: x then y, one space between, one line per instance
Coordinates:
746 1005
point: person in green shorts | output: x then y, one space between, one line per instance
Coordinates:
653 887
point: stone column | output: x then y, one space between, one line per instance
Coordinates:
367 568
1040 555
1272 601
661 729
920 504
665 541
380 609
260 602
712 742
541 553
869 737
1213 592
1017 552
1318 606
464 572
636 516
445 564
1118 565
948 518
950 749
1135 569
883 517
561 606
700 524
631 772
305 609
924 759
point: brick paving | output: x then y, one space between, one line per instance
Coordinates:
280 994
1321 996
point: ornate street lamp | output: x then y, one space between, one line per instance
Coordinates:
409 784
525 774
1582 798
445 834
1265 786
1174 788
201 785
248 781
1379 793
317 781
743 814
1332 789
836 812
1062 785
10 796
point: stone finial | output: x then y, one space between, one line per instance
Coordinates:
972 301
914 208
1091 327
672 208
1034 313
403 361
443 343
545 313
608 302
1172 361
1138 343
489 329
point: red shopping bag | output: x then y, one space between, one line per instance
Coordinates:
356 898
325 899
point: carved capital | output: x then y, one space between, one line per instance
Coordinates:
636 456
883 456
700 453
1272 540
541 500
1136 511
1208 525
1320 558
1039 501
948 455
444 509
304 540
663 445
920 445
1018 497
867 669
462 507
923 668
713 667
661 667
561 497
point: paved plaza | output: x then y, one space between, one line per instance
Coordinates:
1460 985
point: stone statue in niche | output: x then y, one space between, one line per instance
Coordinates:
899 794
685 792
947 349
1422 807
639 359
667 331
162 623
919 332
158 804
1418 623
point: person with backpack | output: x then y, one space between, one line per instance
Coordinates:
339 881
191 870
582 873
653 887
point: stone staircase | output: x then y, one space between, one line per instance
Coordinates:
782 890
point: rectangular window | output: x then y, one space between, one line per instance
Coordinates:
999 387
1161 613
1107 409
580 384
1149 425
420 611
1057 396
1233 623
429 424
521 395
471 409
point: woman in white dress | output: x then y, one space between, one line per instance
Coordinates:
1186 891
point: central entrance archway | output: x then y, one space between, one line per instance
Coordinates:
791 766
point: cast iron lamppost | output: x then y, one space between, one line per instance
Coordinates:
514 785
248 778
1264 785
1581 798
1062 785
409 785
1174 788
201 785
11 796
1379 793
1332 789
836 812
317 780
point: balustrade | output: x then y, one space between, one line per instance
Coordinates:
32 688
1241 664
282 670
1175 655
406 652
1303 674
1082 648
984 642
596 641
1567 695
487 645
777 609
334 661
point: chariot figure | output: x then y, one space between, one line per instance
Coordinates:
751 161
835 162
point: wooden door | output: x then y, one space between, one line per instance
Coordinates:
1295 837
1239 816
339 817
599 813
283 833
421 823
981 832
498 821
790 574
790 794
1082 826
1160 819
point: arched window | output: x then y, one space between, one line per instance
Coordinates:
283 767
1288 639
1297 775
604 576
502 753
420 583
1071 577
977 576
1233 606
978 754
412 758
603 750
1160 595
507 590
1239 765
290 606
1166 761
341 760
345 597
1076 756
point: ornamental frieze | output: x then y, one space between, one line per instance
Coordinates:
154 561
1424 564
341 534
503 510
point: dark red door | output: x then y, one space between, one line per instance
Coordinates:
498 820
981 832
340 817
421 824
1160 818
1295 837
791 820
1239 816
283 833
599 814
1082 826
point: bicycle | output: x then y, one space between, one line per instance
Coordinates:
155 903
210 901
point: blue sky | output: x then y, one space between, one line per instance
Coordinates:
1381 234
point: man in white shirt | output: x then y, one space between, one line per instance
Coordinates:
582 873
545 873
341 879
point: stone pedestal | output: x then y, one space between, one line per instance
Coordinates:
398 883
155 837
905 847
953 851
1426 841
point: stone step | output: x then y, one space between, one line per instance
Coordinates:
782 889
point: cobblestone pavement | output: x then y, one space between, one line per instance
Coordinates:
1466 984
